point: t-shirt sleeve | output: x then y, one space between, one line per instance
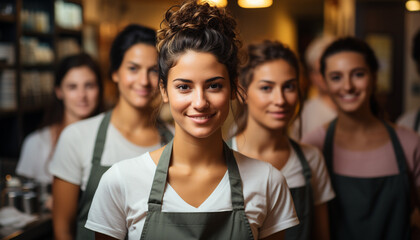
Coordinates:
66 162
281 210
106 214
320 179
29 152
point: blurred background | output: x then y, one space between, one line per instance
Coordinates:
35 34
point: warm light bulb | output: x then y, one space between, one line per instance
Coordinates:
255 3
413 5
217 3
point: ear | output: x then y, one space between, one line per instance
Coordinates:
115 77
163 92
58 93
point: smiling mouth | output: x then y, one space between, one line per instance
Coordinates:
349 97
202 117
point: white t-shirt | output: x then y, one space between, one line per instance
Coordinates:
292 171
120 202
407 120
34 156
72 158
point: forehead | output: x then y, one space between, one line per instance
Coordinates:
278 69
345 60
78 74
194 65
141 52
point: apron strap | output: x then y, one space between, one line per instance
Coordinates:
328 145
398 150
305 166
161 175
100 139
417 121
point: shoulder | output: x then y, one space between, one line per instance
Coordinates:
253 169
133 168
39 136
316 137
85 126
312 153
408 119
408 138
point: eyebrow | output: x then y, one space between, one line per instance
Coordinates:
272 82
190 81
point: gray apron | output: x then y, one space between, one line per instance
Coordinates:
369 208
198 225
96 172
303 200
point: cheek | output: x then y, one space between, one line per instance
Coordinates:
257 100
292 98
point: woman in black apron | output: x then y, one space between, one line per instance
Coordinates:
271 81
372 174
86 150
196 187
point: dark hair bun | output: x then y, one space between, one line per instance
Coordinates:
191 17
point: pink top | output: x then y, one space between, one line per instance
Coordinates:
372 163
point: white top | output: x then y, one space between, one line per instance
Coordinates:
315 113
72 159
120 202
292 171
407 120
34 156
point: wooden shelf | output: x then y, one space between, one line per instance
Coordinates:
6 66
39 66
7 18
69 32
29 33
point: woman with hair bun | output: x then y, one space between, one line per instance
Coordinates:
87 148
374 165
271 81
195 187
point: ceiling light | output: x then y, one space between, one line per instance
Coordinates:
217 3
413 5
255 3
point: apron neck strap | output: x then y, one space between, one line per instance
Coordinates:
305 166
417 121
100 139
161 175
328 144
398 150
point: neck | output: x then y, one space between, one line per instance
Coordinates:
125 116
359 120
192 151
259 139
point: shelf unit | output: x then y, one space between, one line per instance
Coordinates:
17 121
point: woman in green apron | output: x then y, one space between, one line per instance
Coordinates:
196 187
374 166
271 81
87 149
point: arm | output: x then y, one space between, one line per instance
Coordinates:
65 197
321 227
100 236
276 236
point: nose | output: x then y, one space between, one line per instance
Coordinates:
278 97
144 78
348 84
199 100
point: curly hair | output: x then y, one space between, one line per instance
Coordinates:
201 28
259 54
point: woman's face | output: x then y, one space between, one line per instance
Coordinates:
349 80
79 92
137 77
198 92
272 95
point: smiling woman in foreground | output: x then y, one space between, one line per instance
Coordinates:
195 187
